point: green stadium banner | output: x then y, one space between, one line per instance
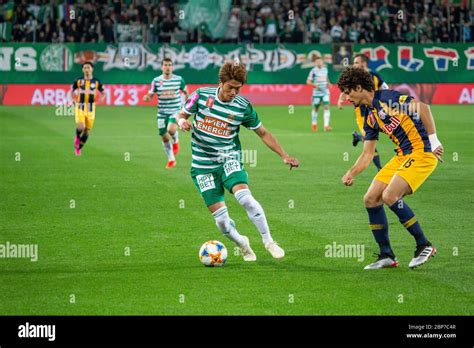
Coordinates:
129 63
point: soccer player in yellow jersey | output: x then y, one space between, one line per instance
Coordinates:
87 89
361 61
410 125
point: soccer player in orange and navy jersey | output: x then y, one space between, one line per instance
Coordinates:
410 125
87 88
361 61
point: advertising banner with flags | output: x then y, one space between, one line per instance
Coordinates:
200 63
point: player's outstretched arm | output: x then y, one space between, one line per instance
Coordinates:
426 117
182 121
362 162
275 146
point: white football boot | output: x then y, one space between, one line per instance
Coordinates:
422 254
383 261
275 250
247 251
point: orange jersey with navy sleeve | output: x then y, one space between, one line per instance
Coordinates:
389 114
87 92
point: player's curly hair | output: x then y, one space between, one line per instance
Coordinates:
233 71
352 77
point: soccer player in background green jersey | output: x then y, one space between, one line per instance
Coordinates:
216 153
167 87
319 80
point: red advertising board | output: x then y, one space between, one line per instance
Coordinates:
259 94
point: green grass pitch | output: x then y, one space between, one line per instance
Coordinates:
83 268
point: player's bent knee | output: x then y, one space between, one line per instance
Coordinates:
390 197
225 226
250 204
172 128
372 200
223 222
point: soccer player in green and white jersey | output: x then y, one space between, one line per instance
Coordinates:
216 153
167 87
318 78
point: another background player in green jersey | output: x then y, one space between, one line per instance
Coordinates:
318 78
216 153
167 87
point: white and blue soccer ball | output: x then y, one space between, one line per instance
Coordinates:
213 254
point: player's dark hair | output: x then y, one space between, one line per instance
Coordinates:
352 77
362 56
88 63
166 60
233 71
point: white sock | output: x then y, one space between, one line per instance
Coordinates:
255 213
227 226
168 150
327 116
175 137
314 117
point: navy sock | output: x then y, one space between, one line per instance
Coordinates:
78 132
408 220
376 160
379 225
84 138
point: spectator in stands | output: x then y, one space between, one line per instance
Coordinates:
467 31
245 33
108 30
336 31
258 32
271 26
233 26
326 38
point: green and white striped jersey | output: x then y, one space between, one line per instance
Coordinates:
216 125
320 78
167 90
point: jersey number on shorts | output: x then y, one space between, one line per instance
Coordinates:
408 163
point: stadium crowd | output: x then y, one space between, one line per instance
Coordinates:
249 21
